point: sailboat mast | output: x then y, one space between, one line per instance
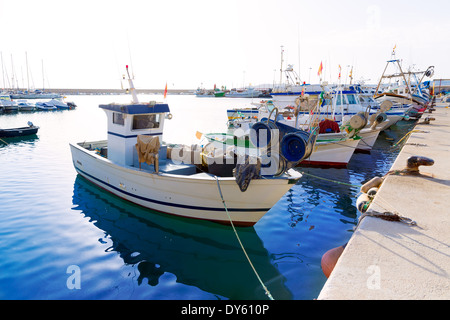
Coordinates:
43 84
28 76
3 70
12 72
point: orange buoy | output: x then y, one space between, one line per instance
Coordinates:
330 258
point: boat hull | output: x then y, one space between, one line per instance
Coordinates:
18 132
195 196
331 153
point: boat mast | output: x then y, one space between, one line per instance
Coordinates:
132 89
298 43
281 66
381 79
403 75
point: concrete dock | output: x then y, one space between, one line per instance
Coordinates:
386 260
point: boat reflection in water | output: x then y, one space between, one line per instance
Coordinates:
200 253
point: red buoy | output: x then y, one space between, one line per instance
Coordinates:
330 258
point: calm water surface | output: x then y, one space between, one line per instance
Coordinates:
52 220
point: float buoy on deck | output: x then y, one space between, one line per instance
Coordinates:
363 202
372 183
330 258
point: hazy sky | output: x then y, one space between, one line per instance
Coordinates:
189 43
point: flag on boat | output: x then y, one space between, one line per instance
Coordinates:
339 72
198 135
165 91
319 73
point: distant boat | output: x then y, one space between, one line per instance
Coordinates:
443 101
45 106
8 104
26 106
243 93
219 93
201 93
59 104
37 94
19 132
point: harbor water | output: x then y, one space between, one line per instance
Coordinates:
63 238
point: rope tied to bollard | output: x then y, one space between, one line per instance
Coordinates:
388 216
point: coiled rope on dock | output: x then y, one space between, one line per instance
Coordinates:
240 243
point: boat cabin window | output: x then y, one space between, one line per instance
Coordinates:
351 99
118 118
146 121
339 99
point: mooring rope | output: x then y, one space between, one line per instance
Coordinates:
407 135
335 181
239 240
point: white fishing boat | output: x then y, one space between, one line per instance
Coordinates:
332 150
339 106
407 89
135 164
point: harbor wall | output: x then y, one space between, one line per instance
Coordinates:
395 260
119 91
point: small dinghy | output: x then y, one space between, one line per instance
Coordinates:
19 132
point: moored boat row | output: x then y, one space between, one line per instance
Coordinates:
237 176
9 105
